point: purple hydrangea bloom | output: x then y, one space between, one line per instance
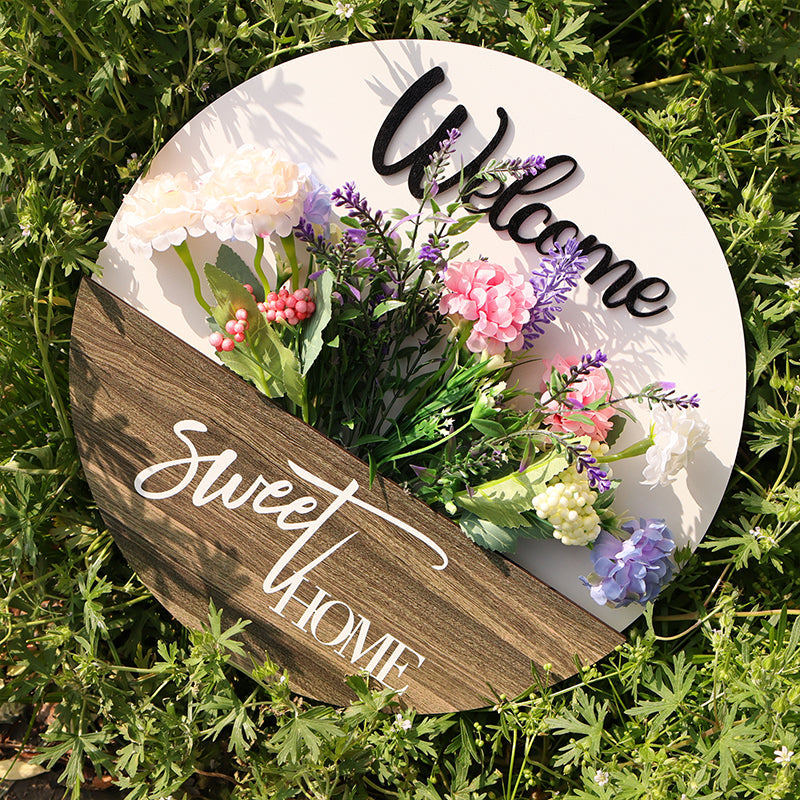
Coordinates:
633 571
556 277
317 204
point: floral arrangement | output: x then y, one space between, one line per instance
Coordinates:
381 338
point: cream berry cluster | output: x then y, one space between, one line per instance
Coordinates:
567 506
235 329
286 306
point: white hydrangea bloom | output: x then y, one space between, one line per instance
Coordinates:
567 506
160 212
252 192
677 434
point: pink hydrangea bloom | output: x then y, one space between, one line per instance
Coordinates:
498 302
572 417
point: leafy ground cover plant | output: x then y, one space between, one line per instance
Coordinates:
702 701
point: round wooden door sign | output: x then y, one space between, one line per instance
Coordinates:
213 492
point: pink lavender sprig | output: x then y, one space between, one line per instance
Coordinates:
557 275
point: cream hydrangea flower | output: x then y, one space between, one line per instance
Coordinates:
160 212
677 433
252 192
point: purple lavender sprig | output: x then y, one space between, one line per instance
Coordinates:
584 460
432 250
517 168
588 362
560 384
348 197
662 393
438 160
304 231
557 275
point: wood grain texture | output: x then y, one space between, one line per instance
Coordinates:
481 624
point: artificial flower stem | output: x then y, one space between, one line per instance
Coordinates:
304 406
291 254
257 264
412 405
182 250
432 445
638 449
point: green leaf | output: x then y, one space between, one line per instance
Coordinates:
385 307
282 365
457 249
464 224
505 500
312 336
232 264
585 727
304 735
488 427
487 534
672 693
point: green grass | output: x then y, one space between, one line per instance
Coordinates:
698 700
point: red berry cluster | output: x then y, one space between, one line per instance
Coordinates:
235 329
285 306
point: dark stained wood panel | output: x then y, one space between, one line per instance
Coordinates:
478 625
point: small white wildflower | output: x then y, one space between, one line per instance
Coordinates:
401 722
784 755
25 230
601 777
344 10
793 285
764 538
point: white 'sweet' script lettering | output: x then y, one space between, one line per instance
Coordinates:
350 637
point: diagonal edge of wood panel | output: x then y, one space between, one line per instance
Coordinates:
377 597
